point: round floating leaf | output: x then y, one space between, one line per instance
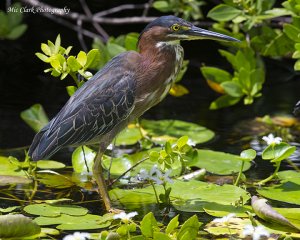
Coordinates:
186 196
17 226
55 210
221 210
83 158
248 154
176 129
67 222
50 164
288 191
129 136
218 162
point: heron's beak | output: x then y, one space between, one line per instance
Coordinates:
199 33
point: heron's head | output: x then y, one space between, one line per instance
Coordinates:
171 28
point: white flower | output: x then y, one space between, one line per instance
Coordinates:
224 219
77 236
125 217
255 232
270 139
158 177
191 143
143 175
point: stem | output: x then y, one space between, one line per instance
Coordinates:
240 174
155 192
262 182
75 79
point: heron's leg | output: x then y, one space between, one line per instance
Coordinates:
98 175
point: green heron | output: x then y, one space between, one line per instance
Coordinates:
122 91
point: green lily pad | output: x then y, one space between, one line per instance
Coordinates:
17 226
129 136
186 196
175 129
55 210
50 164
83 159
67 222
218 162
288 191
221 210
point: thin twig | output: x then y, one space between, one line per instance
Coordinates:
120 8
80 36
97 26
147 7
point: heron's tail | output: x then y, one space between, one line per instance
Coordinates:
43 146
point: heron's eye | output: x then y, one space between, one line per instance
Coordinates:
175 27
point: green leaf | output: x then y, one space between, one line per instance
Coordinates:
218 162
181 142
81 157
189 229
249 154
162 6
168 129
16 32
148 225
57 44
71 90
43 57
278 152
224 101
232 88
50 164
48 210
114 49
81 58
223 12
93 59
297 65
161 236
173 224
292 32
129 136
35 117
17 226
73 64
46 49
216 74
131 41
221 210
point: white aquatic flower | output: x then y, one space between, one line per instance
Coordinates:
158 177
143 175
124 216
255 232
77 236
224 219
271 139
191 143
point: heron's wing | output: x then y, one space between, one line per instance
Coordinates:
99 105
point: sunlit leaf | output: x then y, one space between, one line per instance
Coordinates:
223 12
50 164
83 159
35 117
218 162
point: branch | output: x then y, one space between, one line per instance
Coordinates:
121 8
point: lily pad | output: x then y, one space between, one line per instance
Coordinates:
288 191
67 222
218 162
129 136
186 196
17 226
175 129
83 159
56 180
55 210
221 210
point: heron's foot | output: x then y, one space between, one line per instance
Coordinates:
115 210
